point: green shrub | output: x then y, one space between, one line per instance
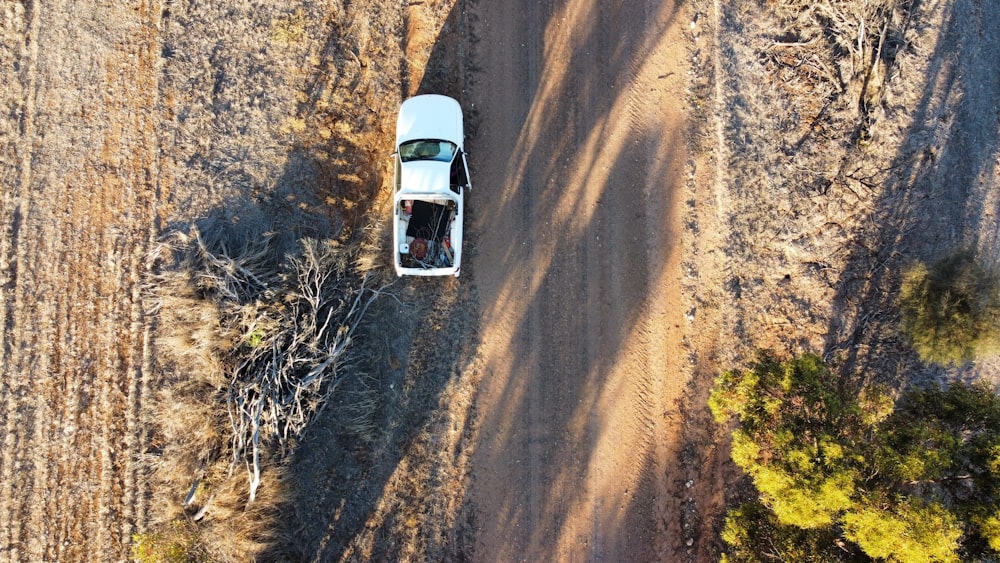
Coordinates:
951 310
910 532
991 531
754 534
798 436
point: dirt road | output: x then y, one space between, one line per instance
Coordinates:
78 169
589 438
579 152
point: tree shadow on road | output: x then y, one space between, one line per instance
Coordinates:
571 259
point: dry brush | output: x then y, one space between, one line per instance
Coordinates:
807 132
257 341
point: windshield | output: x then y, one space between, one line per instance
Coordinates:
423 149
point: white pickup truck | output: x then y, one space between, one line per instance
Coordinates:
430 181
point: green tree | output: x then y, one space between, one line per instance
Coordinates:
841 470
801 436
945 444
754 534
951 310
909 530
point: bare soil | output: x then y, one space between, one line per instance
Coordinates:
659 189
80 163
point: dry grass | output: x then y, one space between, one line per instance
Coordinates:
78 165
804 161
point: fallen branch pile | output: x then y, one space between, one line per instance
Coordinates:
284 327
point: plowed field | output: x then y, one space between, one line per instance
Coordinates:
79 170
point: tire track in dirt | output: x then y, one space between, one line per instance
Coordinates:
73 330
22 27
705 471
577 272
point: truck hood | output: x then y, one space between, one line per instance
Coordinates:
430 116
426 177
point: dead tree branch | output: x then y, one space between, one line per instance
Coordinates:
291 323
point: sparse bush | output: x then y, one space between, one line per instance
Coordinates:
178 543
951 310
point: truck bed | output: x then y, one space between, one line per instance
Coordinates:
426 231
429 221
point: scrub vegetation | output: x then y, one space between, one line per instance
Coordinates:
852 186
951 310
844 473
